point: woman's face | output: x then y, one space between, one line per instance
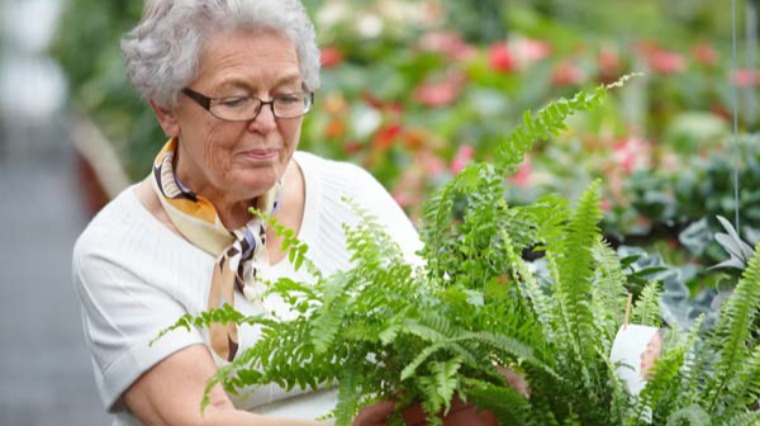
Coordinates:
238 160
650 355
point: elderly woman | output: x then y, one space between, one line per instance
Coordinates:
230 82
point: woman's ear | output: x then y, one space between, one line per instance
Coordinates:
166 119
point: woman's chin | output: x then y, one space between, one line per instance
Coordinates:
254 184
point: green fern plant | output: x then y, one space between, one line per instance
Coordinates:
386 329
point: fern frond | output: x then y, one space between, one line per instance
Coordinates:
509 407
295 248
647 310
746 418
370 231
548 121
531 288
446 380
328 319
445 246
744 389
506 345
696 360
543 410
693 415
348 396
223 315
294 293
608 294
572 419
733 332
571 263
663 384
423 356
431 327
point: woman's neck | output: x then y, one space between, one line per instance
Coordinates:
233 214
231 208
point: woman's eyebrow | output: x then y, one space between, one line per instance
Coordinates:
240 83
289 78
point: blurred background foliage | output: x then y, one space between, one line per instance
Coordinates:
412 90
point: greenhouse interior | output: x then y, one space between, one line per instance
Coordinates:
572 188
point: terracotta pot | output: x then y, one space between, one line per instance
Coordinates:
461 414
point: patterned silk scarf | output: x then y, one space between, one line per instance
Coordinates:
241 253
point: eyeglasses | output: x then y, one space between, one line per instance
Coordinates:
247 108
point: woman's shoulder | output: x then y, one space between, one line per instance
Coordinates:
114 218
122 226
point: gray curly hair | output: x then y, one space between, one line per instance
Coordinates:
162 51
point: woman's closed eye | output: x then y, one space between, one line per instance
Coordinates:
235 101
288 98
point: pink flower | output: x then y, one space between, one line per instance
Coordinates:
500 58
666 62
431 164
608 61
441 93
567 74
745 78
447 43
530 50
461 158
522 177
632 154
408 190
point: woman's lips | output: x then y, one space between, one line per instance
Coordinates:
261 154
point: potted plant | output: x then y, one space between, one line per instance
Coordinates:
442 332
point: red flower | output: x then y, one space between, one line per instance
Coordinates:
385 137
352 147
720 111
705 54
500 58
330 57
372 100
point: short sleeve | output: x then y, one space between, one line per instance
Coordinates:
122 312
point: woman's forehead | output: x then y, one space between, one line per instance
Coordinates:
249 59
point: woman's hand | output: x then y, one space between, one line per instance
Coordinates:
375 414
515 381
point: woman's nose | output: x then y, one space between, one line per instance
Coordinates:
264 121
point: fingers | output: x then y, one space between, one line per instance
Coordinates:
375 414
515 381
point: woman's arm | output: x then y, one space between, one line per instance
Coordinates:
170 393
